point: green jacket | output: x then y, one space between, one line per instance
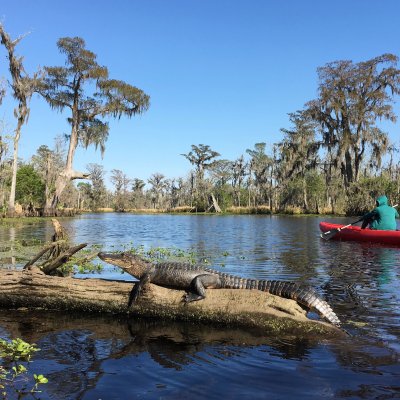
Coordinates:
383 216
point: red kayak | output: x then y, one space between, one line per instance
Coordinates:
361 235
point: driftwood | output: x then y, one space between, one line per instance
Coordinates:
60 236
40 254
58 251
61 259
31 288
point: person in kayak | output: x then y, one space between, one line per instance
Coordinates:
382 217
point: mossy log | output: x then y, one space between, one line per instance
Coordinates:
31 288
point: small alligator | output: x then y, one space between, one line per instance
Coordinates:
194 279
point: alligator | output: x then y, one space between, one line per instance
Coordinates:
194 279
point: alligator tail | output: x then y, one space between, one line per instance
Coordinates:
305 296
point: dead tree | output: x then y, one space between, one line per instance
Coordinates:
55 254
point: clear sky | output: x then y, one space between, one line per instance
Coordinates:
224 73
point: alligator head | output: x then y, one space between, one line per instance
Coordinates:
133 264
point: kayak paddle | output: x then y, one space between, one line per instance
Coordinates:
330 234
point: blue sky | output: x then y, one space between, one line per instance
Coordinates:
221 73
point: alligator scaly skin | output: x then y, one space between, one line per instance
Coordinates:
305 296
195 279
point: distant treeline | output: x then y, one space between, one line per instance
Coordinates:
334 158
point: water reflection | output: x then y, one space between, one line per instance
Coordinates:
81 353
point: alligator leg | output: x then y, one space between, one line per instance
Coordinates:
190 296
137 289
198 287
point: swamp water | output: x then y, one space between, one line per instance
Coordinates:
108 357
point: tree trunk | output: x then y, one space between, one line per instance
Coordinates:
305 199
11 201
215 203
22 91
349 175
66 175
317 206
50 208
245 308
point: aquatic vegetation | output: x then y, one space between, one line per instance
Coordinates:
163 253
15 377
172 254
83 262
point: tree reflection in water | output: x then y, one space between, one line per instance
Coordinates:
78 351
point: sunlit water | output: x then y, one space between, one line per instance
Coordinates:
91 357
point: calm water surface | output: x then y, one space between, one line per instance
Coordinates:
91 357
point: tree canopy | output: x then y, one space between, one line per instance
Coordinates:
353 97
71 87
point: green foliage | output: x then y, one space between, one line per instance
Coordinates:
123 98
202 157
14 373
362 195
315 190
29 186
17 350
315 184
224 196
48 164
64 85
292 193
163 253
97 192
352 98
82 262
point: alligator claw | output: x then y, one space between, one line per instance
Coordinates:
185 298
189 297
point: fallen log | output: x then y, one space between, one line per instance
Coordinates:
32 289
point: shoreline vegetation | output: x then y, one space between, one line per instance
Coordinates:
260 210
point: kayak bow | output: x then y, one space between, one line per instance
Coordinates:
355 233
